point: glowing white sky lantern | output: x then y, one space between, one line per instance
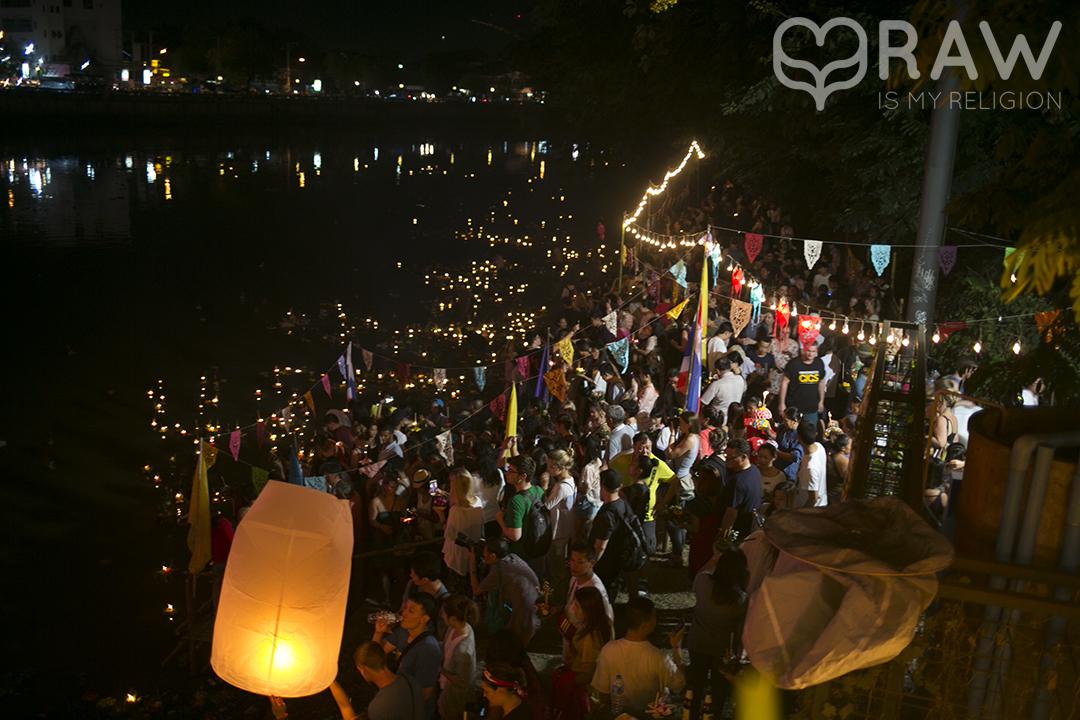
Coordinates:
282 608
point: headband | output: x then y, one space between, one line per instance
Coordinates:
495 682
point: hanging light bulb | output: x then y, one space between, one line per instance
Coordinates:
890 339
906 341
861 336
1016 347
978 347
937 337
873 339
832 325
845 330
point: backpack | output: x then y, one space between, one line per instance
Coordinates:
537 529
633 555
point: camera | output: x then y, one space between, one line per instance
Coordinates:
465 541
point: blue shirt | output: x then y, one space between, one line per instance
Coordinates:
424 662
789 442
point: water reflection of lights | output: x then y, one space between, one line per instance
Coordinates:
317 161
35 180
151 174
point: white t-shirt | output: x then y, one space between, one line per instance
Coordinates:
621 440
645 671
811 475
468 520
561 504
1030 398
489 496
713 350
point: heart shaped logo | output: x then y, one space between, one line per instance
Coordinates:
820 90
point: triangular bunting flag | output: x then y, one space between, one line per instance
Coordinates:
566 349
556 383
678 271
674 313
259 478
342 368
498 406
310 401
438 375
368 357
523 367
326 385
946 257
286 417
480 374
611 322
234 444
812 252
620 350
446 447
879 255
753 245
403 373
740 316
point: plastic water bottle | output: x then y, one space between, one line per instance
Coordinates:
617 699
386 617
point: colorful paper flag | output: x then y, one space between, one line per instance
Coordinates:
678 271
523 367
812 252
259 478
740 316
753 245
480 374
446 447
286 417
403 373
674 313
310 401
438 375
350 379
556 383
234 444
540 387
946 257
879 256
566 349
326 385
736 282
368 357
611 322
260 431
498 406
620 350
342 368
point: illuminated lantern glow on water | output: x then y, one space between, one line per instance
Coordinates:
282 608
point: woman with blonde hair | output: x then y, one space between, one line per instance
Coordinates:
559 499
465 517
457 679
943 422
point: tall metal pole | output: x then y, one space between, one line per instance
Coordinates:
937 183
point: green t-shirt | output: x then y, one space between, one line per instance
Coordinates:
516 511
660 474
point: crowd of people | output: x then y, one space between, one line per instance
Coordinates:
555 523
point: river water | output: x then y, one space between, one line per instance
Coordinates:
133 268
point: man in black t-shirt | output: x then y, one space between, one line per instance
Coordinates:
609 531
803 386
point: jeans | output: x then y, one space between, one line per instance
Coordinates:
811 418
699 675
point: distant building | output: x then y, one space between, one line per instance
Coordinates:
71 31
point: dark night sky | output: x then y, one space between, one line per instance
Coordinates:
415 27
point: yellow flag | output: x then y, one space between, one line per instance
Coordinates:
310 401
566 348
675 312
198 539
511 413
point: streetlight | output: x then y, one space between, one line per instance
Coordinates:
303 59
163 51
